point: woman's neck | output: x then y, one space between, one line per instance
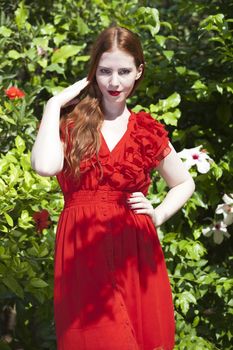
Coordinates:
113 111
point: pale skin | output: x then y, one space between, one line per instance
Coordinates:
116 72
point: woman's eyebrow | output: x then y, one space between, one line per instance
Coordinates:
118 68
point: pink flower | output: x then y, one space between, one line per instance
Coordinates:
13 92
40 50
218 230
226 209
198 157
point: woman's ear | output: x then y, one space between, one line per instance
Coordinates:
140 71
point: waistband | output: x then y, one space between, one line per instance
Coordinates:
95 197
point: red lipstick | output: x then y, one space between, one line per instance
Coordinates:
114 93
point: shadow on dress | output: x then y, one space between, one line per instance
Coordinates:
111 283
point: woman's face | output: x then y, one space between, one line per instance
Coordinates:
116 74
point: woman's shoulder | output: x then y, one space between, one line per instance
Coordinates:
153 137
146 121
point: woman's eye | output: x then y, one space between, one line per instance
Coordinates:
105 71
124 71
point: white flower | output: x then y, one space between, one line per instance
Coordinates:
218 229
226 209
195 156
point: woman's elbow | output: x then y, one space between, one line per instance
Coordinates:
191 185
46 171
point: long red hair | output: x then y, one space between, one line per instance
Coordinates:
84 114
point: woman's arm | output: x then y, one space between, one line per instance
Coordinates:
181 184
48 152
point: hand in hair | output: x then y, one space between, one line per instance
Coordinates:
66 95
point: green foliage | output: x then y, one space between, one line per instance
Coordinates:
188 85
26 254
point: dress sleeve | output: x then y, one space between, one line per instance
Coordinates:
155 141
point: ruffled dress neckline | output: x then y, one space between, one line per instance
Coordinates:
122 140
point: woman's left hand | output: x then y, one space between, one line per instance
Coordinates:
141 205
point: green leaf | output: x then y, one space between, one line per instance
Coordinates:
105 20
197 233
160 40
3 165
219 88
166 24
196 321
20 144
150 16
197 200
219 17
185 299
21 15
195 251
14 54
8 119
13 285
198 85
173 100
171 118
9 220
43 62
54 67
48 29
33 251
173 37
216 170
16 233
3 228
28 178
66 51
82 26
38 283
5 32
25 220
181 70
59 38
42 42
81 59
55 89
168 54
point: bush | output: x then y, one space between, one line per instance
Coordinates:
188 85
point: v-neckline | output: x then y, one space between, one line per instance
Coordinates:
124 136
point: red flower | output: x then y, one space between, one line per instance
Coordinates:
13 92
41 219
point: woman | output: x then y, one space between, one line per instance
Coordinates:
111 289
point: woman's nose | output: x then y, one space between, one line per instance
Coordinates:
114 81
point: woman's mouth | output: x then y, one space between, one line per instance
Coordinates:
114 93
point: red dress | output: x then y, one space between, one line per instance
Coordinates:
111 289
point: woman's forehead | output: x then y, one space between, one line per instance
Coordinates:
116 57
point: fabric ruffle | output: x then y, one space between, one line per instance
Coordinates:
144 146
152 138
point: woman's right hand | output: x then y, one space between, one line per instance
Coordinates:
66 95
